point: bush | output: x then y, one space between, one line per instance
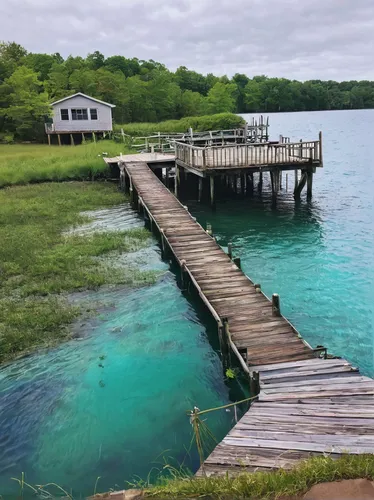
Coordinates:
221 121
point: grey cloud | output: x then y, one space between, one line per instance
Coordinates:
301 39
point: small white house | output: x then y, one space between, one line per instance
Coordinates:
78 115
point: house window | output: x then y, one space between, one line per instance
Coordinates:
93 113
64 114
79 114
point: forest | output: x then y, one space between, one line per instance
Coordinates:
147 91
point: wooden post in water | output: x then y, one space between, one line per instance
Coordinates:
275 303
167 177
309 184
300 185
176 183
229 250
212 199
237 262
260 182
200 194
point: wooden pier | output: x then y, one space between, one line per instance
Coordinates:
235 163
308 403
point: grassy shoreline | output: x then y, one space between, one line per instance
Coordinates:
39 264
220 121
34 163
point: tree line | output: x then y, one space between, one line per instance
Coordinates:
147 91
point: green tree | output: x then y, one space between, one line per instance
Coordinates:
191 104
95 60
27 104
221 98
11 56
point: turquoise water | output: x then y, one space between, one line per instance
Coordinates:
65 418
113 401
318 256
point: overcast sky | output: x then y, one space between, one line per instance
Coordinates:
301 39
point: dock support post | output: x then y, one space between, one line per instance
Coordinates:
254 384
94 136
200 195
72 140
167 177
224 344
275 305
242 185
49 139
260 182
229 250
237 262
275 176
83 138
59 139
212 199
250 185
177 180
296 179
300 186
309 185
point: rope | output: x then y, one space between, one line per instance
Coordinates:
193 412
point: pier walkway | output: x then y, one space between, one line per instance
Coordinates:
306 405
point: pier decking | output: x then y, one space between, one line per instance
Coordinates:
306 405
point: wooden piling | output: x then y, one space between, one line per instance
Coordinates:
260 182
275 304
59 139
72 140
49 139
300 185
200 194
309 185
177 180
212 199
229 250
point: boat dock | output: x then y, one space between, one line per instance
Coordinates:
308 403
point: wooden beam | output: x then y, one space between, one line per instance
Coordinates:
212 199
94 136
260 182
200 194
59 139
177 179
72 140
49 139
300 186
309 184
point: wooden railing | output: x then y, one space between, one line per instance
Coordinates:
243 155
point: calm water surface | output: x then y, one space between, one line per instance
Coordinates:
112 403
318 256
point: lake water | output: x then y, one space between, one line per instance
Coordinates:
318 256
112 403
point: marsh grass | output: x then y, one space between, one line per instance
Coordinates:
198 123
40 264
175 483
29 163
266 485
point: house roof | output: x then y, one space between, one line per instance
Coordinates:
83 95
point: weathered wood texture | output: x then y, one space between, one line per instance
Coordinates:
306 405
262 155
224 288
304 408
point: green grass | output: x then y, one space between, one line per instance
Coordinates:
39 264
198 123
265 485
23 164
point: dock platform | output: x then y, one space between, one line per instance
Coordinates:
308 403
